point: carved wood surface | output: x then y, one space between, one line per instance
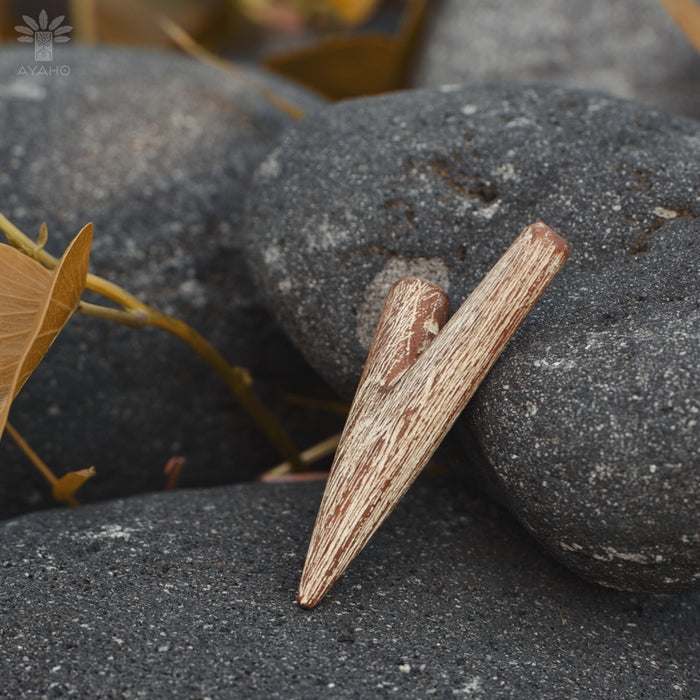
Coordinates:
412 391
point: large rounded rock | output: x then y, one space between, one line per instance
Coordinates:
629 49
589 422
192 594
158 151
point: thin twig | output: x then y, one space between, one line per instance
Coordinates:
187 44
313 454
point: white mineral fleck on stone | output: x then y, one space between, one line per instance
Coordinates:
455 87
665 213
506 172
272 254
488 212
24 90
270 167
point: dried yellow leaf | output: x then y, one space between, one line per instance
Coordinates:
356 64
686 14
35 304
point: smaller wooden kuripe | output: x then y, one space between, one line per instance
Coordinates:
418 378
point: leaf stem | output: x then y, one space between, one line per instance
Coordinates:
133 319
34 458
136 314
22 242
237 379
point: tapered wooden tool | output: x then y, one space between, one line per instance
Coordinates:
411 392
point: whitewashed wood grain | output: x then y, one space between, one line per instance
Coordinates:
411 392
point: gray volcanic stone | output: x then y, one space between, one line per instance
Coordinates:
588 425
192 594
629 49
158 151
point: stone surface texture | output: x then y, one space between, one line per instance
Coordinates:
588 425
157 150
192 594
628 49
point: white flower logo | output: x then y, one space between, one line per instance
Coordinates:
43 35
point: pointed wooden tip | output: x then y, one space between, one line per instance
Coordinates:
308 598
418 378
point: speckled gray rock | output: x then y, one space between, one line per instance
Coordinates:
629 49
589 422
158 151
192 594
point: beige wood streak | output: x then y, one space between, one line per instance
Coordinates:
404 406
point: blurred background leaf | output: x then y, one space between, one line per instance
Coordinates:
133 22
340 48
356 64
294 14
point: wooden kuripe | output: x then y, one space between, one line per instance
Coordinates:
416 381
